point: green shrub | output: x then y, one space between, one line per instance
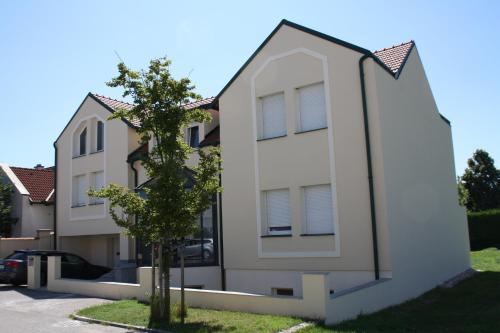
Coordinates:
484 229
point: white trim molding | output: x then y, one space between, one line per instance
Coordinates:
331 153
13 178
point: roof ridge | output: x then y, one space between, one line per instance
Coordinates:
120 101
411 41
113 99
32 169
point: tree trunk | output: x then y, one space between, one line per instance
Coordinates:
161 276
166 279
183 314
153 303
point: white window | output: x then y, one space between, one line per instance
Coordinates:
277 212
272 116
318 209
79 190
97 184
312 109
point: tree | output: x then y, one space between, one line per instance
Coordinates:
5 208
479 187
169 212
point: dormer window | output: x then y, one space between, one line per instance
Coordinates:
83 142
194 136
100 136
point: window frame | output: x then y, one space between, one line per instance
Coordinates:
305 223
281 231
99 146
96 200
298 114
75 196
260 117
189 136
84 130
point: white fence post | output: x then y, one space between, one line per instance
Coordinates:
53 270
316 293
34 274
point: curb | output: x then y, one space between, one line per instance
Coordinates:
120 325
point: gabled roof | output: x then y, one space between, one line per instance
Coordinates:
38 182
115 105
391 61
394 57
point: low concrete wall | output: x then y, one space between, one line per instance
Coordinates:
43 241
316 302
311 305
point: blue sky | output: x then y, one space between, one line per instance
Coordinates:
52 53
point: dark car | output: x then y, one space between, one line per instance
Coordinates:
14 268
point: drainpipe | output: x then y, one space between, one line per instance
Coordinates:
55 197
136 177
221 240
369 164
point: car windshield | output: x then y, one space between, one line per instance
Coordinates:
17 256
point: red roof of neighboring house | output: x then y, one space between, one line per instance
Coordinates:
212 138
38 182
395 56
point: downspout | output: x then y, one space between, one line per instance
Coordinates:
369 164
131 162
221 241
55 197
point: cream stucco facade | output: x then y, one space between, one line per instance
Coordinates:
415 200
409 231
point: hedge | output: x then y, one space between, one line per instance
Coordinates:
484 229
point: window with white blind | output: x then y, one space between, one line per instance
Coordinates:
312 107
277 212
272 116
318 209
79 190
97 184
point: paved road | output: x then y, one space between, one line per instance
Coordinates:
26 311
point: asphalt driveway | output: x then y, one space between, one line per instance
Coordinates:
23 310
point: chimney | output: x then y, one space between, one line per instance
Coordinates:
39 167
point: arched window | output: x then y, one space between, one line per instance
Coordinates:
83 142
100 136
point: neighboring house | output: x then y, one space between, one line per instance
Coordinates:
32 199
335 159
92 152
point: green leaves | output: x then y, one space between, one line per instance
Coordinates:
479 187
5 207
177 195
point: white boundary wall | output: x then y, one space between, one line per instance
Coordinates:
316 302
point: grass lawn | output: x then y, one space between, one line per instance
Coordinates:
198 320
471 306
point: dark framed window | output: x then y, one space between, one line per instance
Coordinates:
100 136
194 136
83 142
201 248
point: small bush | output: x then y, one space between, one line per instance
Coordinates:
484 229
177 310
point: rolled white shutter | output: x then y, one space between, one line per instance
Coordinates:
278 211
273 116
312 107
99 184
82 190
318 206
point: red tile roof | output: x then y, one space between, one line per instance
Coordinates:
116 104
395 56
38 182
